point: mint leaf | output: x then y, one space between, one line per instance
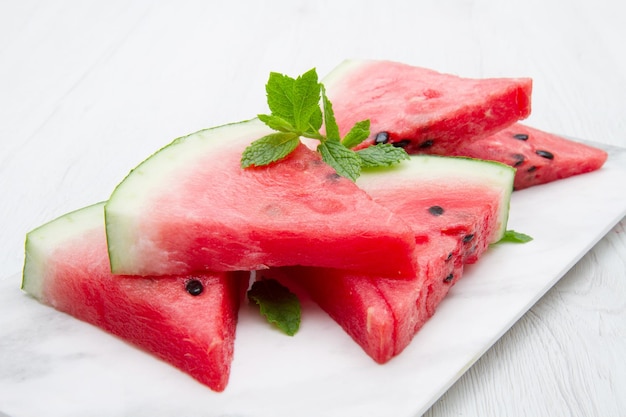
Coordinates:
359 132
345 161
295 101
512 236
316 120
381 155
296 112
279 305
306 99
330 123
276 122
280 91
269 149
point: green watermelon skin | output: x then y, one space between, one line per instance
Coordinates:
420 109
66 267
207 213
539 157
383 315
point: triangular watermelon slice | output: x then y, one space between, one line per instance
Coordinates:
421 109
192 207
539 157
188 321
428 112
456 206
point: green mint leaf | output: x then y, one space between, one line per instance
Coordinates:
359 132
381 155
280 91
279 305
330 123
316 120
276 123
306 99
345 161
295 100
512 236
269 149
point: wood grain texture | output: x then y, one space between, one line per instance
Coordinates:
89 89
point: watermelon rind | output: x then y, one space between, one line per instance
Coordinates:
41 241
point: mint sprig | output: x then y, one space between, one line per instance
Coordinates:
295 109
280 306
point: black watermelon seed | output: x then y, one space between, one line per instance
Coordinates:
449 256
521 136
468 238
381 137
531 169
402 143
545 154
448 278
194 287
519 159
334 177
427 144
435 210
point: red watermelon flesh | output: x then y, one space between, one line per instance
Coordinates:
455 212
463 218
380 314
67 267
418 108
539 156
207 213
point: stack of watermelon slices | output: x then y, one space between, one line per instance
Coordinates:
165 262
456 207
424 111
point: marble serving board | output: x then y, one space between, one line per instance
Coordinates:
53 365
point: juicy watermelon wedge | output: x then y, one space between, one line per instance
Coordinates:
424 111
67 267
539 157
456 207
192 207
421 109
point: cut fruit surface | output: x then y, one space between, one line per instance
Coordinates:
187 320
539 157
420 109
192 207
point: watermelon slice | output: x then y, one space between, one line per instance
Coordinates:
192 207
539 156
188 321
421 109
456 206
427 112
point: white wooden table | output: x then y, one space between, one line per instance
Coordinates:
88 89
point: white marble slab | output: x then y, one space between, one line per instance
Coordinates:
54 365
